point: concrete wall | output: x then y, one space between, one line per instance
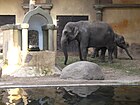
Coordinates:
60 7
12 7
11 45
125 21
73 7
126 1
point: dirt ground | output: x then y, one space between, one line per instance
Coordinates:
115 74
122 68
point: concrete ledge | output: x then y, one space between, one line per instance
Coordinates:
43 61
50 81
36 58
10 26
101 6
43 6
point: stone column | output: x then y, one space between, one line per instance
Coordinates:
51 28
32 4
45 38
24 27
51 41
99 12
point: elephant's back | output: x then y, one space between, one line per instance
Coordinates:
101 34
100 26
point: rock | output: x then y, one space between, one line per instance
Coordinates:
82 70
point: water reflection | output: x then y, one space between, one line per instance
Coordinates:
122 95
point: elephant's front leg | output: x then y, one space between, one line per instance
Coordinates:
80 54
84 51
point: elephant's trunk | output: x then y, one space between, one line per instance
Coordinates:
64 45
125 46
128 53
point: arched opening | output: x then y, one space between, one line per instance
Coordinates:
37 20
35 23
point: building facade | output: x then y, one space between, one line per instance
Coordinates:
122 15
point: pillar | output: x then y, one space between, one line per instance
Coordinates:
99 12
51 40
45 38
31 4
24 27
51 28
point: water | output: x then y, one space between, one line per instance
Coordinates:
120 95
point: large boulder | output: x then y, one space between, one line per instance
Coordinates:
82 70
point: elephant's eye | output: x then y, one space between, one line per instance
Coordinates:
65 32
123 42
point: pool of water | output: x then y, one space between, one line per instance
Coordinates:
105 95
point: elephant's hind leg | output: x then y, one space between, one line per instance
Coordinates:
96 53
102 57
110 52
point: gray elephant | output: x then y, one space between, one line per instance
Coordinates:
88 34
118 39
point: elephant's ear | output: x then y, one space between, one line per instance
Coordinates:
76 31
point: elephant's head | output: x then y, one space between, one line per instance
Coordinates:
120 41
69 33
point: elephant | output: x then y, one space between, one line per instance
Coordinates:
95 34
118 39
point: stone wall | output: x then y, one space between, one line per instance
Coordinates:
12 7
125 21
43 61
73 7
11 45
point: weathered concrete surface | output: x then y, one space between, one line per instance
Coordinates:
44 61
125 21
14 8
37 63
55 81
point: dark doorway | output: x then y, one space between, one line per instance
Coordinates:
62 20
7 19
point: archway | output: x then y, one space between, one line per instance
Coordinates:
37 19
